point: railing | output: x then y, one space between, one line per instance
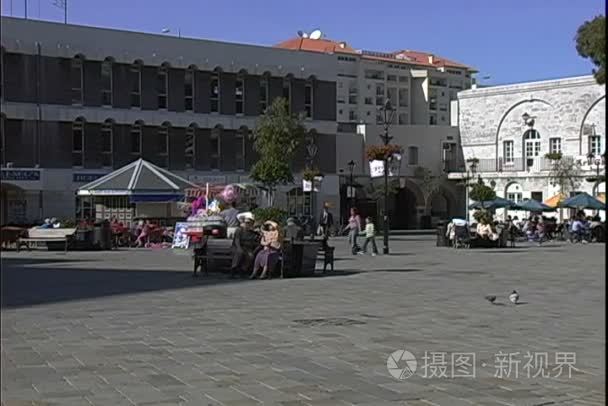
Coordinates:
520 164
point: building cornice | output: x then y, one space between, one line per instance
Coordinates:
519 88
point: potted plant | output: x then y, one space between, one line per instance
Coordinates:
553 156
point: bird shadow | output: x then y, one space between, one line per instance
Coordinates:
521 303
498 304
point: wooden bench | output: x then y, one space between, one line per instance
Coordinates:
47 235
212 250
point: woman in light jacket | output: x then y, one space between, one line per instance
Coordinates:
268 256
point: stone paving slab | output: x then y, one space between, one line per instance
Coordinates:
133 327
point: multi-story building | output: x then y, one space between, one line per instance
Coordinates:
78 102
420 85
506 131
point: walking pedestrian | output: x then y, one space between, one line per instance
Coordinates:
370 236
354 228
326 221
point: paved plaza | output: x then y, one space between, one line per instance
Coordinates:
132 327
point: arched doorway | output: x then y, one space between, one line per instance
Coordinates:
404 215
440 205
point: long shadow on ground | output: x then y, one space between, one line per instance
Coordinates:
28 282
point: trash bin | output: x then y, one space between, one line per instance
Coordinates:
97 236
442 240
106 236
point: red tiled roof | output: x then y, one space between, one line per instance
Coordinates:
409 57
316 45
423 58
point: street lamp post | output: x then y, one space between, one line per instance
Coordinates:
470 174
387 115
592 159
350 196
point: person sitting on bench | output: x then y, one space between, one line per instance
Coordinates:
484 230
267 257
244 244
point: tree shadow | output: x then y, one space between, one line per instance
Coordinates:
35 281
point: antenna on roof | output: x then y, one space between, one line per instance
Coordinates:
316 34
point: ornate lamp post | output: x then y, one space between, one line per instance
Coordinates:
591 160
471 170
387 116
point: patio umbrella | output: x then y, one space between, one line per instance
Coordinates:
583 201
497 203
554 201
534 206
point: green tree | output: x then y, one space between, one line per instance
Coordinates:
566 174
591 44
480 192
276 137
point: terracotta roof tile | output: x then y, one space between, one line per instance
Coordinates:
316 45
403 56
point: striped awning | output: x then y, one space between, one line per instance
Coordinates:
554 201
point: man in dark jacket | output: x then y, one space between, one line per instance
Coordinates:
326 221
293 232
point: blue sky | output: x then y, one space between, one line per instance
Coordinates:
510 41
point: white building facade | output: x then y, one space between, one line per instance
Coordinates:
509 130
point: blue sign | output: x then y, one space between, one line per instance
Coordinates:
20 175
86 177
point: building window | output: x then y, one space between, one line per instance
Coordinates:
412 156
403 118
514 196
433 120
215 149
538 196
76 76
189 147
369 100
263 93
403 79
308 100
135 79
352 115
78 142
136 139
391 93
189 89
555 145
287 92
507 152
298 202
163 145
404 97
106 83
239 94
391 78
532 143
241 139
595 144
379 94
162 84
215 92
107 144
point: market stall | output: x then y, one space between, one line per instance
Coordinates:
137 190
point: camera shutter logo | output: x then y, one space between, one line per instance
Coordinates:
401 364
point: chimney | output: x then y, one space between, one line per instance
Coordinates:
431 59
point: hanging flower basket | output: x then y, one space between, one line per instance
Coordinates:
311 174
382 152
553 156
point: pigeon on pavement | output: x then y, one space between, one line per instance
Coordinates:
514 297
490 298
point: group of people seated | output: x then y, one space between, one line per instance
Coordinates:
50 223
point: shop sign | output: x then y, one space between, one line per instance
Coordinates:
86 177
20 175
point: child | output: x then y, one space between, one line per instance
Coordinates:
370 233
